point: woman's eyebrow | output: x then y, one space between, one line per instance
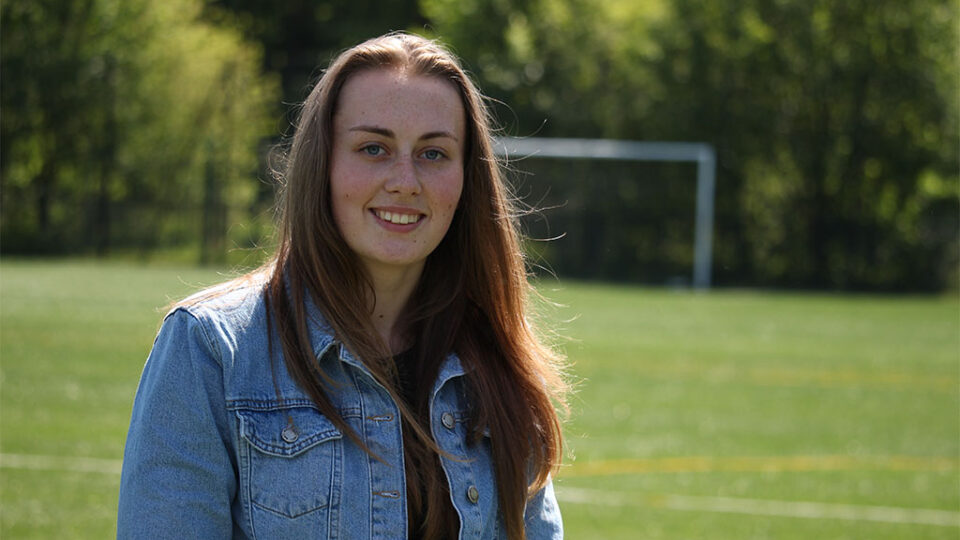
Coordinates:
373 129
389 133
438 134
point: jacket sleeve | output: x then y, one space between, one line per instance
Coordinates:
179 477
542 516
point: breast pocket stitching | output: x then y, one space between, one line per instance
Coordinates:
293 459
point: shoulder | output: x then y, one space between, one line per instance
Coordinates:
235 299
222 316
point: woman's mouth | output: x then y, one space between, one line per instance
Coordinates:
398 218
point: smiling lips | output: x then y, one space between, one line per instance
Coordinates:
398 218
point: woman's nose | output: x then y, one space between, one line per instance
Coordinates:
403 178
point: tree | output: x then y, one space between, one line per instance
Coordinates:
109 114
835 124
837 127
300 37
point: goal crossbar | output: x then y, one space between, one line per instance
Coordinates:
700 153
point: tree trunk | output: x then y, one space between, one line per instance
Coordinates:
107 158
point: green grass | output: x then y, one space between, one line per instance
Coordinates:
747 396
866 387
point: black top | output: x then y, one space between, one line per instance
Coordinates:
406 365
408 386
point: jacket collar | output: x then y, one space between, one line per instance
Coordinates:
323 339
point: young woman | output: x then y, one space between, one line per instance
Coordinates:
379 377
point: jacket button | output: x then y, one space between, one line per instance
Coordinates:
290 434
448 420
473 494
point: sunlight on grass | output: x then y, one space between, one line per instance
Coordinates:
783 397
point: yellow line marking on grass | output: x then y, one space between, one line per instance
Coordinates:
762 507
690 464
824 378
60 463
846 377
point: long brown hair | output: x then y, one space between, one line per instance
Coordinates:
471 298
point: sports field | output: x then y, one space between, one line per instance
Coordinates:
728 415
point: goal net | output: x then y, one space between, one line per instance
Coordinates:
622 209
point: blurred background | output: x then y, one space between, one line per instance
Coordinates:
814 392
143 129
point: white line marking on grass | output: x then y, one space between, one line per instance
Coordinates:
761 507
691 464
60 463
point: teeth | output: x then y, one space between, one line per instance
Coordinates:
399 219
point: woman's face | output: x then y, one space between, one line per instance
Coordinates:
397 166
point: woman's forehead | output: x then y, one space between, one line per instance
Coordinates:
395 100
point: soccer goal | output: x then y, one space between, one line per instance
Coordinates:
604 149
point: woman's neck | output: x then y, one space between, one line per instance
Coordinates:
392 286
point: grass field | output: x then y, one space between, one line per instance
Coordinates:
727 415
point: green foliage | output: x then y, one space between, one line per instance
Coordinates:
832 121
301 38
124 116
134 125
824 133
570 64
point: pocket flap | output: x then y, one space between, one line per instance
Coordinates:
285 432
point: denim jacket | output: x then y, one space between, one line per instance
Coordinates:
220 448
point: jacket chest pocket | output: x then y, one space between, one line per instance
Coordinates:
291 465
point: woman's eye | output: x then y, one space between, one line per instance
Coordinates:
433 155
372 150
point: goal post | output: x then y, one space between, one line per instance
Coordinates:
700 153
